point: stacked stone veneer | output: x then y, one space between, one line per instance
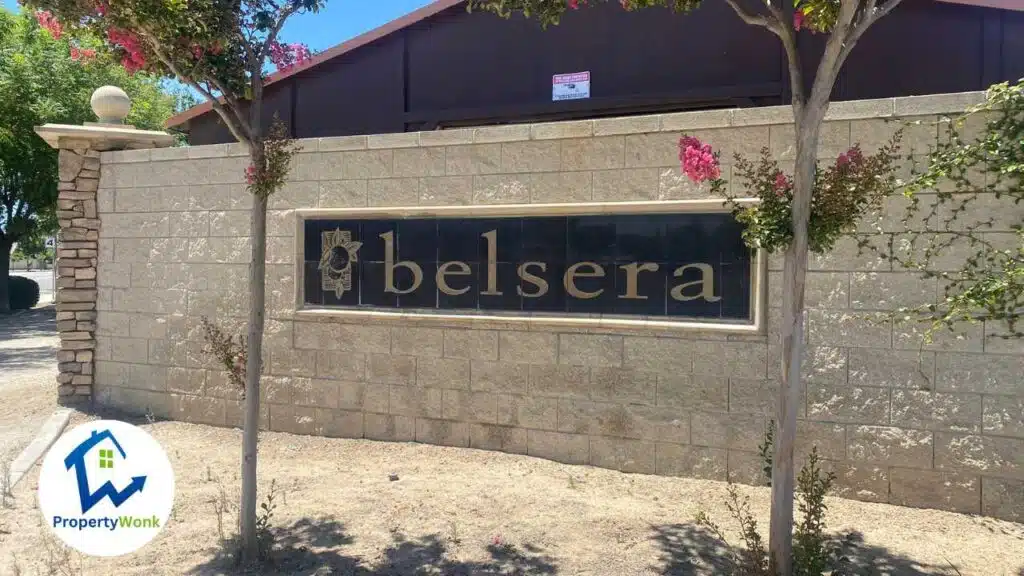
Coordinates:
77 252
939 425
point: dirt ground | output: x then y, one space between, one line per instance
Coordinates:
463 511
28 368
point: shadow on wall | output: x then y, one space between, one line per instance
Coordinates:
688 549
310 547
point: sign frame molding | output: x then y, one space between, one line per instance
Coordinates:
529 320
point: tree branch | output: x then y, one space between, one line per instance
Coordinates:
285 14
869 16
828 67
748 16
779 23
237 128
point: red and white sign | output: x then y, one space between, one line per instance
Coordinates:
573 86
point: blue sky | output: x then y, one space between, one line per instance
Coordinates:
339 21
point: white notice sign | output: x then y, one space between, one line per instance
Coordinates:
570 86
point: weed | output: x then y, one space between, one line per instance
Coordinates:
766 450
264 535
453 533
6 482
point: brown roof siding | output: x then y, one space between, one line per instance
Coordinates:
347 46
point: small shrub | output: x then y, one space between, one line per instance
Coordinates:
23 293
229 351
264 534
815 553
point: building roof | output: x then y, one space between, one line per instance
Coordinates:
335 51
429 10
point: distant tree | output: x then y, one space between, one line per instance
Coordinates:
32 248
44 77
224 51
845 22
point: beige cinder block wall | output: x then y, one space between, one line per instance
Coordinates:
938 425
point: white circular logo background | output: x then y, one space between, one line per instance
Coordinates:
106 488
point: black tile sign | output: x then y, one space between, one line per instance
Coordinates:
675 265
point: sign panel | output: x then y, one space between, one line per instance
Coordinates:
573 86
689 265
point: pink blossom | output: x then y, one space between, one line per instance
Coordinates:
48 22
782 183
286 56
698 160
197 51
133 60
798 20
853 156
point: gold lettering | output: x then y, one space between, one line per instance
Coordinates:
632 271
390 265
540 283
492 263
574 272
707 283
442 271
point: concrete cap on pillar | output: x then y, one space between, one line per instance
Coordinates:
111 104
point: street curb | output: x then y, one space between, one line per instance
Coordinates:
45 438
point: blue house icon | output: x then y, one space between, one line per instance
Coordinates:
76 459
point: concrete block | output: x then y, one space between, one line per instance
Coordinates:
558 381
691 461
337 423
951 491
473 159
452 373
528 347
527 411
848 404
389 427
890 445
446 191
989 455
566 448
930 410
471 344
590 349
500 438
442 432
634 456
499 377
624 386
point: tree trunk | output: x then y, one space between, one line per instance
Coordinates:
257 297
780 543
5 270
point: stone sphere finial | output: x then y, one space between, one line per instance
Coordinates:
110 104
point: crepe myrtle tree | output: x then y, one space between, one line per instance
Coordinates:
224 50
844 21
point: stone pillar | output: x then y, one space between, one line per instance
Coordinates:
80 228
77 245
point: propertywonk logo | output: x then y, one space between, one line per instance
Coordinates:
106 488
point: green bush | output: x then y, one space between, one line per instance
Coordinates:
23 293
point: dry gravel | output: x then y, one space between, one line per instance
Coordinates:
463 511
